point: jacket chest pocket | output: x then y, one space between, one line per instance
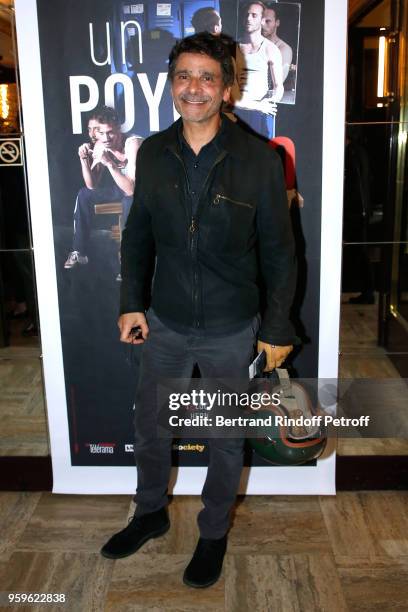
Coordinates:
231 223
223 199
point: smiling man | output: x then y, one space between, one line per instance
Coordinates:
209 217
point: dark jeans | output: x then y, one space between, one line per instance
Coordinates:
84 212
168 354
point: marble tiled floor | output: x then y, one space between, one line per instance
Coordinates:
300 554
361 357
22 406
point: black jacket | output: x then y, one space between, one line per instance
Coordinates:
208 268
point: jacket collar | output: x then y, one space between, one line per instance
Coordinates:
232 139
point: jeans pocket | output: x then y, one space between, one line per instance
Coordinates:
152 320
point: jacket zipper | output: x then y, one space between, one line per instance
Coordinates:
219 197
193 227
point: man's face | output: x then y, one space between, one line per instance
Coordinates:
270 24
93 126
253 18
108 135
197 87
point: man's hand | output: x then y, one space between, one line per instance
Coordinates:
129 320
267 106
294 197
107 157
85 151
101 155
275 355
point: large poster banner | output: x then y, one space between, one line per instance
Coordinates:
94 86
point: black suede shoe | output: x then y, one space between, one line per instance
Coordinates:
205 567
138 532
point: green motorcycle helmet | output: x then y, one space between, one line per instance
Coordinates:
273 444
288 444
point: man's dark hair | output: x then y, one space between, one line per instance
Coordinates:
206 44
106 115
272 6
205 19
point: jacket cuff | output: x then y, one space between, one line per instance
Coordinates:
129 302
283 338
